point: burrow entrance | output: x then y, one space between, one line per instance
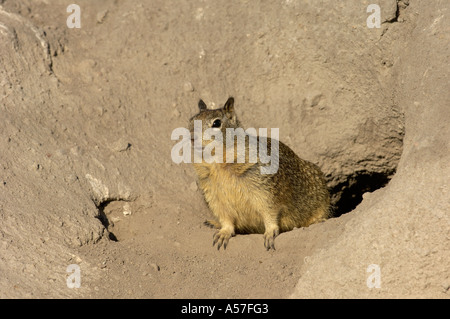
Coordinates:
345 196
368 168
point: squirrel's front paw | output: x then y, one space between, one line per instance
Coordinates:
269 237
221 237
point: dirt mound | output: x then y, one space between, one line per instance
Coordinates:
87 179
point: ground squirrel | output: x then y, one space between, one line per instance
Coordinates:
246 201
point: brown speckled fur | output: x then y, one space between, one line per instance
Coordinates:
245 201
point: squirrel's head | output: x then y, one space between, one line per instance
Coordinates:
218 119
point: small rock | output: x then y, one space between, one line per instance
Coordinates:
120 145
101 16
316 100
71 178
176 113
193 186
126 209
201 54
115 219
155 267
100 190
188 87
36 166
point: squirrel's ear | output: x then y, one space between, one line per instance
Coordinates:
201 105
229 105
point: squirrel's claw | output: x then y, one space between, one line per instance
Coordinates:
221 237
269 238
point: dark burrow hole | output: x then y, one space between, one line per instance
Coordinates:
347 195
104 219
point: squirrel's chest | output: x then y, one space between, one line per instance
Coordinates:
234 196
223 186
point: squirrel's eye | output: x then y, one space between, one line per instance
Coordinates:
216 123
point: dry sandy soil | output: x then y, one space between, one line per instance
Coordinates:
86 175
